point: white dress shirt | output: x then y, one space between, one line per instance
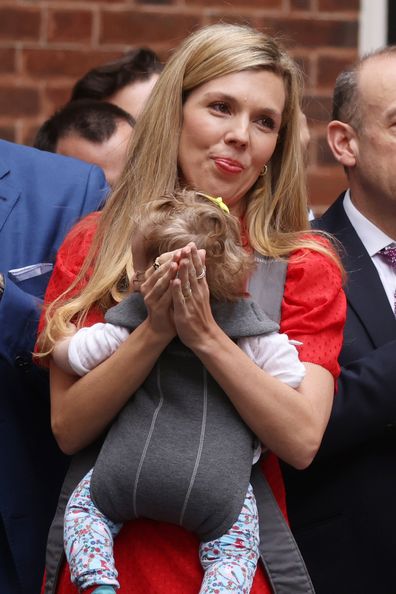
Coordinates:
373 240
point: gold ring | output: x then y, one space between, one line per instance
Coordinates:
202 274
186 291
156 263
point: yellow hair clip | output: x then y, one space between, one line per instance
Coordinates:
216 200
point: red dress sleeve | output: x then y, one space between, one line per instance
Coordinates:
69 260
314 308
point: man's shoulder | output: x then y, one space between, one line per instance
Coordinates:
332 218
20 159
31 172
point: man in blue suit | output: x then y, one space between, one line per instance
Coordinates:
343 508
41 196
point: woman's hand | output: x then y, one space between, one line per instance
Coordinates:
192 313
157 293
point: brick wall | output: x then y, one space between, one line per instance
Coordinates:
45 45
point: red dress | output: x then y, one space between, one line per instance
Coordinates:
153 557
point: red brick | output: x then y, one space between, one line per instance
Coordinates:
300 4
28 133
7 60
138 28
156 2
329 67
324 156
324 186
45 63
55 97
338 5
323 44
22 24
313 33
70 25
318 108
19 101
8 133
305 65
267 4
237 19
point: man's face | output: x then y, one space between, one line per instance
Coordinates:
109 155
133 97
374 174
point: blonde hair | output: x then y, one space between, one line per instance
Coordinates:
276 205
172 221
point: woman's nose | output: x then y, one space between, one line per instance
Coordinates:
238 132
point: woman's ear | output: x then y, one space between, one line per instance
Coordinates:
343 142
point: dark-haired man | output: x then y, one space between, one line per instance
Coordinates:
342 508
93 131
126 82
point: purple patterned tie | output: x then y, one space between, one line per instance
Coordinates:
389 255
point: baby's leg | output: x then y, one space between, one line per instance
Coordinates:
88 537
230 561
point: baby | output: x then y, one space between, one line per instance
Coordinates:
178 451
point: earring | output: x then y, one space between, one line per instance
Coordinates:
264 170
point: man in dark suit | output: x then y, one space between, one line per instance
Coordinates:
41 197
343 508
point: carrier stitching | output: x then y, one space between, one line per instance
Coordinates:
148 439
201 442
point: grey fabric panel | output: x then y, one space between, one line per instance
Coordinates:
240 318
280 554
186 419
267 284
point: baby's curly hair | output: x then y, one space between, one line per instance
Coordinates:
172 221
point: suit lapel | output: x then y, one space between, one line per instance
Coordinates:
364 290
8 194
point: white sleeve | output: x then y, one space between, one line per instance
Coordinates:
276 355
90 346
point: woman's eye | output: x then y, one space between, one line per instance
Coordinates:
266 122
220 106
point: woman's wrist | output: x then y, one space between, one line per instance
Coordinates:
209 342
157 336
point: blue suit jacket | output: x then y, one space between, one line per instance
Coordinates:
343 507
41 196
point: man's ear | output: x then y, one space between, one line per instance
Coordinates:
342 142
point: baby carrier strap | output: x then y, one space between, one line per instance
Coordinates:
279 552
80 464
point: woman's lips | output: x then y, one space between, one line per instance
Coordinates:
228 165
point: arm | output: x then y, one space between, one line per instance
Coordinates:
276 355
290 426
88 347
365 405
60 355
82 408
19 314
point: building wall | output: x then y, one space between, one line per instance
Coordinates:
45 45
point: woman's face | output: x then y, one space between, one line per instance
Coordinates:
229 132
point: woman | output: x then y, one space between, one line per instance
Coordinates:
224 119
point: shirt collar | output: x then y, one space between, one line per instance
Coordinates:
369 234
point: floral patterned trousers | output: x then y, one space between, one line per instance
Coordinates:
229 562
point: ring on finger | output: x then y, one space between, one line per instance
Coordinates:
186 291
156 263
202 274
